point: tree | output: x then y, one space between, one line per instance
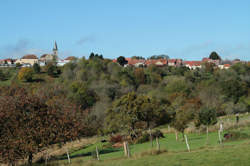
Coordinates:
207 116
214 56
95 56
122 61
162 56
36 68
51 69
81 95
25 74
140 77
134 112
28 123
181 120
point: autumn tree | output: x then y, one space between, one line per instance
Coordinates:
25 74
28 123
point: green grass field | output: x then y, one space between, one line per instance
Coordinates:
235 152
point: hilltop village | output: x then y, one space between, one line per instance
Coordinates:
30 59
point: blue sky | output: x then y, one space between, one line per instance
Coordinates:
188 29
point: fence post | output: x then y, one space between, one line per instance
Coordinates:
128 150
176 135
68 155
151 139
187 143
125 148
46 158
97 153
158 144
219 136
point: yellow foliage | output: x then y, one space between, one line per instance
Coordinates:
25 74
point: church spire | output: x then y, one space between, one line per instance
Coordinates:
55 47
55 52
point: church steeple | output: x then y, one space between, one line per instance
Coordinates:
55 51
55 47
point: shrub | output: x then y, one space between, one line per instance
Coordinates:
144 138
25 74
116 138
36 68
235 135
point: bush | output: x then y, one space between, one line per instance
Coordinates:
116 138
25 74
235 135
144 138
36 68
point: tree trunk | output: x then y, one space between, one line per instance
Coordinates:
183 137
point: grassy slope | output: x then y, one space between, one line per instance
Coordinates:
177 154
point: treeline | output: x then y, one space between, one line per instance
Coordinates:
103 97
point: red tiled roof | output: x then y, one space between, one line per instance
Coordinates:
134 61
156 62
44 55
206 59
70 58
30 56
227 65
193 63
172 60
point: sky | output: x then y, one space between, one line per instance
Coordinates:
187 29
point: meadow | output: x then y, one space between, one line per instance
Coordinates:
230 152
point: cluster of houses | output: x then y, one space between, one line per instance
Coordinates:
178 62
30 59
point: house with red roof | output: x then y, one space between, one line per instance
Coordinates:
193 64
30 59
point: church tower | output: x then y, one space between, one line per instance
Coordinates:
55 51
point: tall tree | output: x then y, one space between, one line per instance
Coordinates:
122 61
214 56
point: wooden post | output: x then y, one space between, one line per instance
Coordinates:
207 134
176 135
219 136
158 144
97 153
151 138
68 156
46 158
187 143
128 150
125 149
